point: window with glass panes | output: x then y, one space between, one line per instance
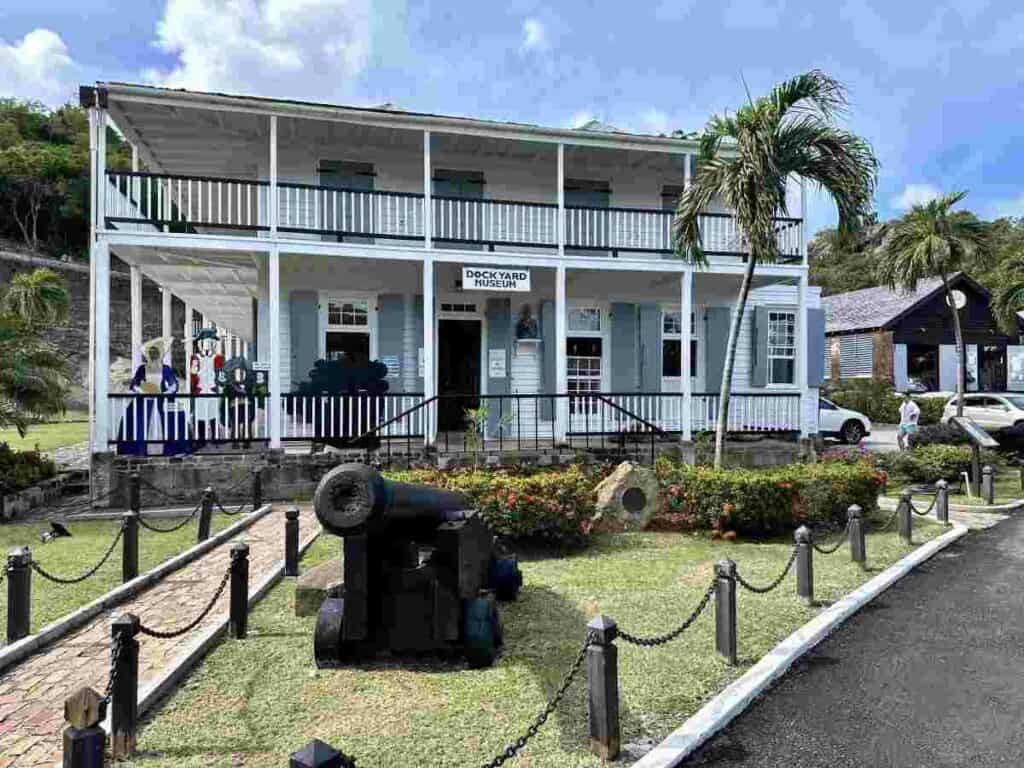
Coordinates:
671 344
348 331
584 347
781 348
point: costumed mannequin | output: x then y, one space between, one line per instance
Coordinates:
237 384
203 369
145 419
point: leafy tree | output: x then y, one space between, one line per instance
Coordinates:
33 377
1008 297
746 161
932 240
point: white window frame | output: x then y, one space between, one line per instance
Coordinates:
601 333
333 297
695 315
769 357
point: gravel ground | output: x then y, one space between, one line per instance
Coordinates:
929 674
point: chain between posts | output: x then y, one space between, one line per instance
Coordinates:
229 512
931 506
512 749
828 550
650 642
758 590
891 520
77 579
176 526
168 634
115 657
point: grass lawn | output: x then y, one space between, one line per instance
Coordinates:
47 437
1007 489
253 701
72 556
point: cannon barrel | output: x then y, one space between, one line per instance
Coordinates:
354 498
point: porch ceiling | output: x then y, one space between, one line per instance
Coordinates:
220 285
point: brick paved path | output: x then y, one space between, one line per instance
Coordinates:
32 693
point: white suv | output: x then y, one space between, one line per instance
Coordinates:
847 426
992 411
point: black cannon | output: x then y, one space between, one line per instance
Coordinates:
421 571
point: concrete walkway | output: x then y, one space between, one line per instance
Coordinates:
32 694
929 674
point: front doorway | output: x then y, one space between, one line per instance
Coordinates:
993 368
458 371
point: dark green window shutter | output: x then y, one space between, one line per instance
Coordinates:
716 335
548 349
815 347
417 334
759 348
304 311
390 327
499 336
650 348
625 333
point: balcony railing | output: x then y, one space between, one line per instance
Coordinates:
195 203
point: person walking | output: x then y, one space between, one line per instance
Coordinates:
910 413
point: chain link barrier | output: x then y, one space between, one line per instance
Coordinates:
656 640
172 633
763 590
512 749
177 526
77 579
828 550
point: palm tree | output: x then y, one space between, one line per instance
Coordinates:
33 377
932 240
1008 298
746 161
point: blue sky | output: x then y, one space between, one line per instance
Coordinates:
938 88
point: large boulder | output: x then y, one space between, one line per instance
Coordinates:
626 499
316 585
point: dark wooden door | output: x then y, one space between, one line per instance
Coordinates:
458 371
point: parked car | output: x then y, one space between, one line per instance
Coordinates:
993 411
847 426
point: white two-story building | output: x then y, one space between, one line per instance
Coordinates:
525 269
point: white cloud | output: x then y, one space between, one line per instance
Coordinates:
580 118
915 194
654 121
535 35
37 67
304 49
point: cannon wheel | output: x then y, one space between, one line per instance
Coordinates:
481 631
506 578
327 639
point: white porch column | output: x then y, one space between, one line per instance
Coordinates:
165 313
274 407
100 258
93 186
136 182
428 206
101 169
561 199
429 372
686 307
135 275
186 334
561 365
273 207
801 356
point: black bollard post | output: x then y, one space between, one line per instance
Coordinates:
858 549
904 519
130 547
84 739
205 514
603 688
804 565
988 486
942 502
318 754
239 589
291 541
19 593
135 492
124 696
725 610
257 489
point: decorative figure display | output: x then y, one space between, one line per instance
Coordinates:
421 571
203 368
526 327
349 420
153 425
237 383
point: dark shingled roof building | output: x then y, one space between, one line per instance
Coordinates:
908 338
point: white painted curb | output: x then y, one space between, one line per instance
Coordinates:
722 709
18 651
891 504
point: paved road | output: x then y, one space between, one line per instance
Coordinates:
882 438
32 693
930 674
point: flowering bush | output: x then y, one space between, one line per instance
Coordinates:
763 500
22 469
551 506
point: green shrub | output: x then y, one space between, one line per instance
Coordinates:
939 434
877 400
547 506
22 469
929 463
766 500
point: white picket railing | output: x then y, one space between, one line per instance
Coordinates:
495 221
184 419
361 213
340 417
748 413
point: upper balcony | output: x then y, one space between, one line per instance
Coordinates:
212 165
